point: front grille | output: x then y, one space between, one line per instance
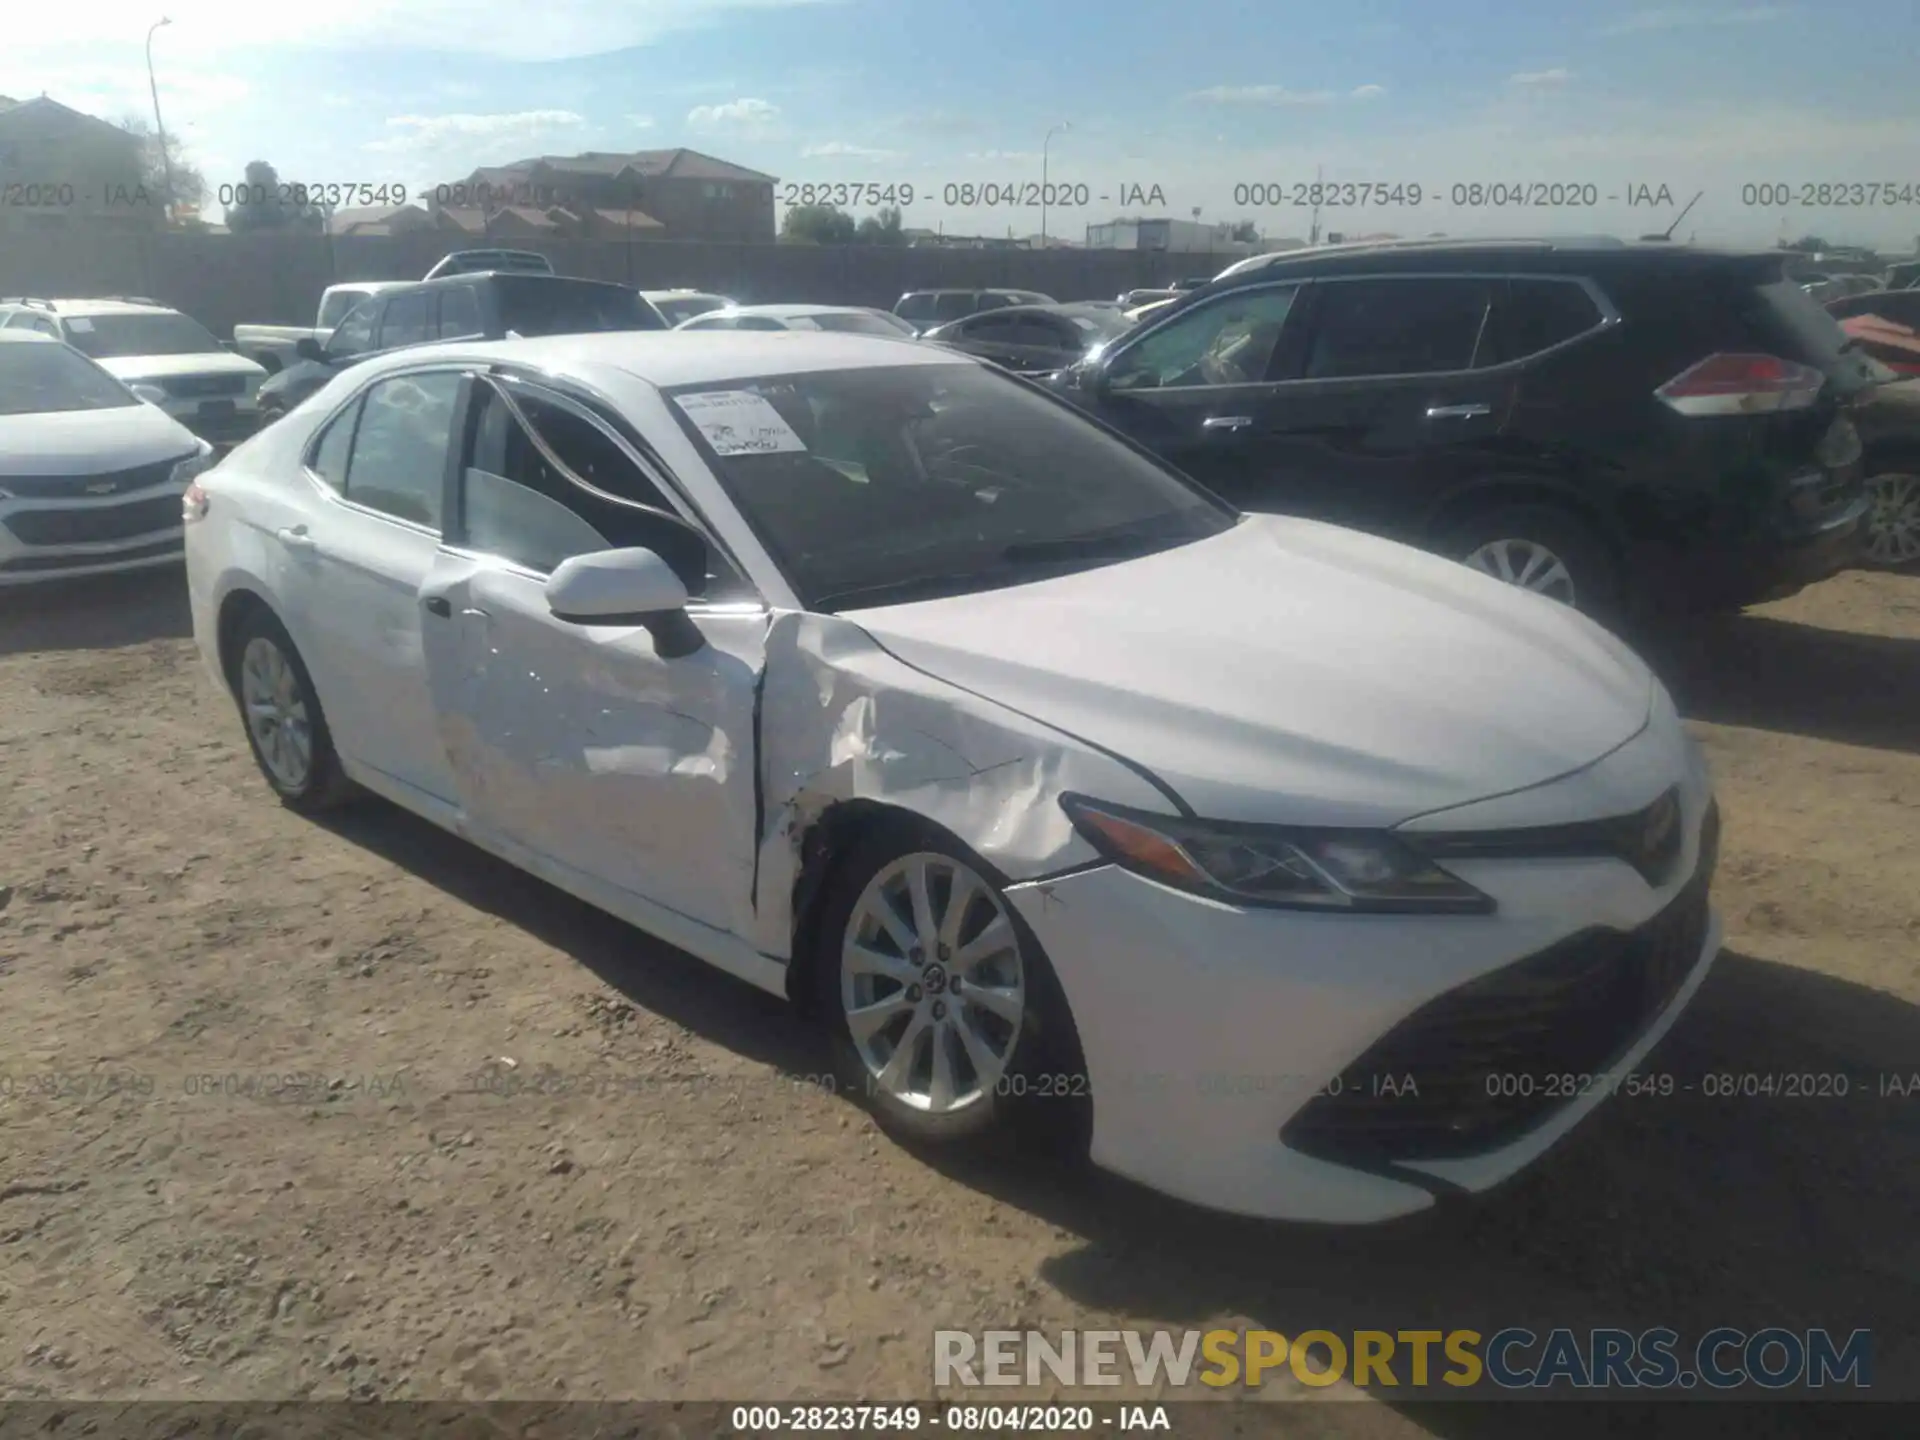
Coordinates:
202 387
1650 840
159 549
67 487
1481 1065
223 429
98 525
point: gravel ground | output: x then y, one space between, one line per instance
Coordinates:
300 1185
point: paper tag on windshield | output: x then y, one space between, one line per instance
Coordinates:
738 422
81 324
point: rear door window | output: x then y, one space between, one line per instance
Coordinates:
459 313
408 321
1413 326
1531 315
953 304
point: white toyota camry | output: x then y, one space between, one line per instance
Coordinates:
1321 875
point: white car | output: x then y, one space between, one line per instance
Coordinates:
1310 862
849 319
171 358
91 476
677 305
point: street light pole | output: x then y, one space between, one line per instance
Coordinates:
1063 125
166 160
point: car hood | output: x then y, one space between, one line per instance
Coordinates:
1291 672
90 442
154 367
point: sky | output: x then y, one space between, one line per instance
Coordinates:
1228 107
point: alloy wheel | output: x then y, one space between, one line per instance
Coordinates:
1893 522
276 713
932 983
1526 563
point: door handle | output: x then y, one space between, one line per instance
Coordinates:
296 538
1457 412
1226 422
437 605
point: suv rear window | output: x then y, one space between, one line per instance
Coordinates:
530 305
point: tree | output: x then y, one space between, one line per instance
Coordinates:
1246 233
263 203
1809 244
817 225
189 185
883 228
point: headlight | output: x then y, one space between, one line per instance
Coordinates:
1351 870
197 463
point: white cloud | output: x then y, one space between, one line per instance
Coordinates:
1368 92
747 113
1263 95
639 122
506 29
1020 156
1541 77
1690 18
431 135
841 150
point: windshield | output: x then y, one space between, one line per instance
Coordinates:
338 305
45 379
107 336
859 324
685 307
894 483
1099 323
534 306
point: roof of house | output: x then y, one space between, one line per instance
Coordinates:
629 219
345 222
42 107
679 164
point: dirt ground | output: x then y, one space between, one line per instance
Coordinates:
295 1184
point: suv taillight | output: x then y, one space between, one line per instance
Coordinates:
1731 384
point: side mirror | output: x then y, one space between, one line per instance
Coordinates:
626 587
152 394
308 348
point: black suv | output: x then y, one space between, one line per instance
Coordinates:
488 306
1603 422
924 309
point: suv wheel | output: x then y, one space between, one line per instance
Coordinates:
1542 549
1893 524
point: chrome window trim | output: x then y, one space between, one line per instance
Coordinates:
1609 318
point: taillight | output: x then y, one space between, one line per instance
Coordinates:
1730 384
193 503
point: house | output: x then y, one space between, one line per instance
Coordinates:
1175 236
381 220
526 222
646 194
61 169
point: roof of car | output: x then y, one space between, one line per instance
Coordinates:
10 335
669 358
1547 254
110 307
684 293
789 311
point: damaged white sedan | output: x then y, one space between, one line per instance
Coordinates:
1320 876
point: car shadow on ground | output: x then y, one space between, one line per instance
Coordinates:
651 973
1692 1210
1773 674
103 612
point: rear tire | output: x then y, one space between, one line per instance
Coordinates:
973 985
280 711
1544 549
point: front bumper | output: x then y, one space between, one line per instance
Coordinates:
79 536
1219 1040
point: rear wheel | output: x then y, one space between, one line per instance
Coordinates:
1542 549
946 1019
1893 522
286 728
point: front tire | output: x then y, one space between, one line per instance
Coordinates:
286 728
946 1020
1542 549
1893 524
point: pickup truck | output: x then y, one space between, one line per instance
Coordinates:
274 346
